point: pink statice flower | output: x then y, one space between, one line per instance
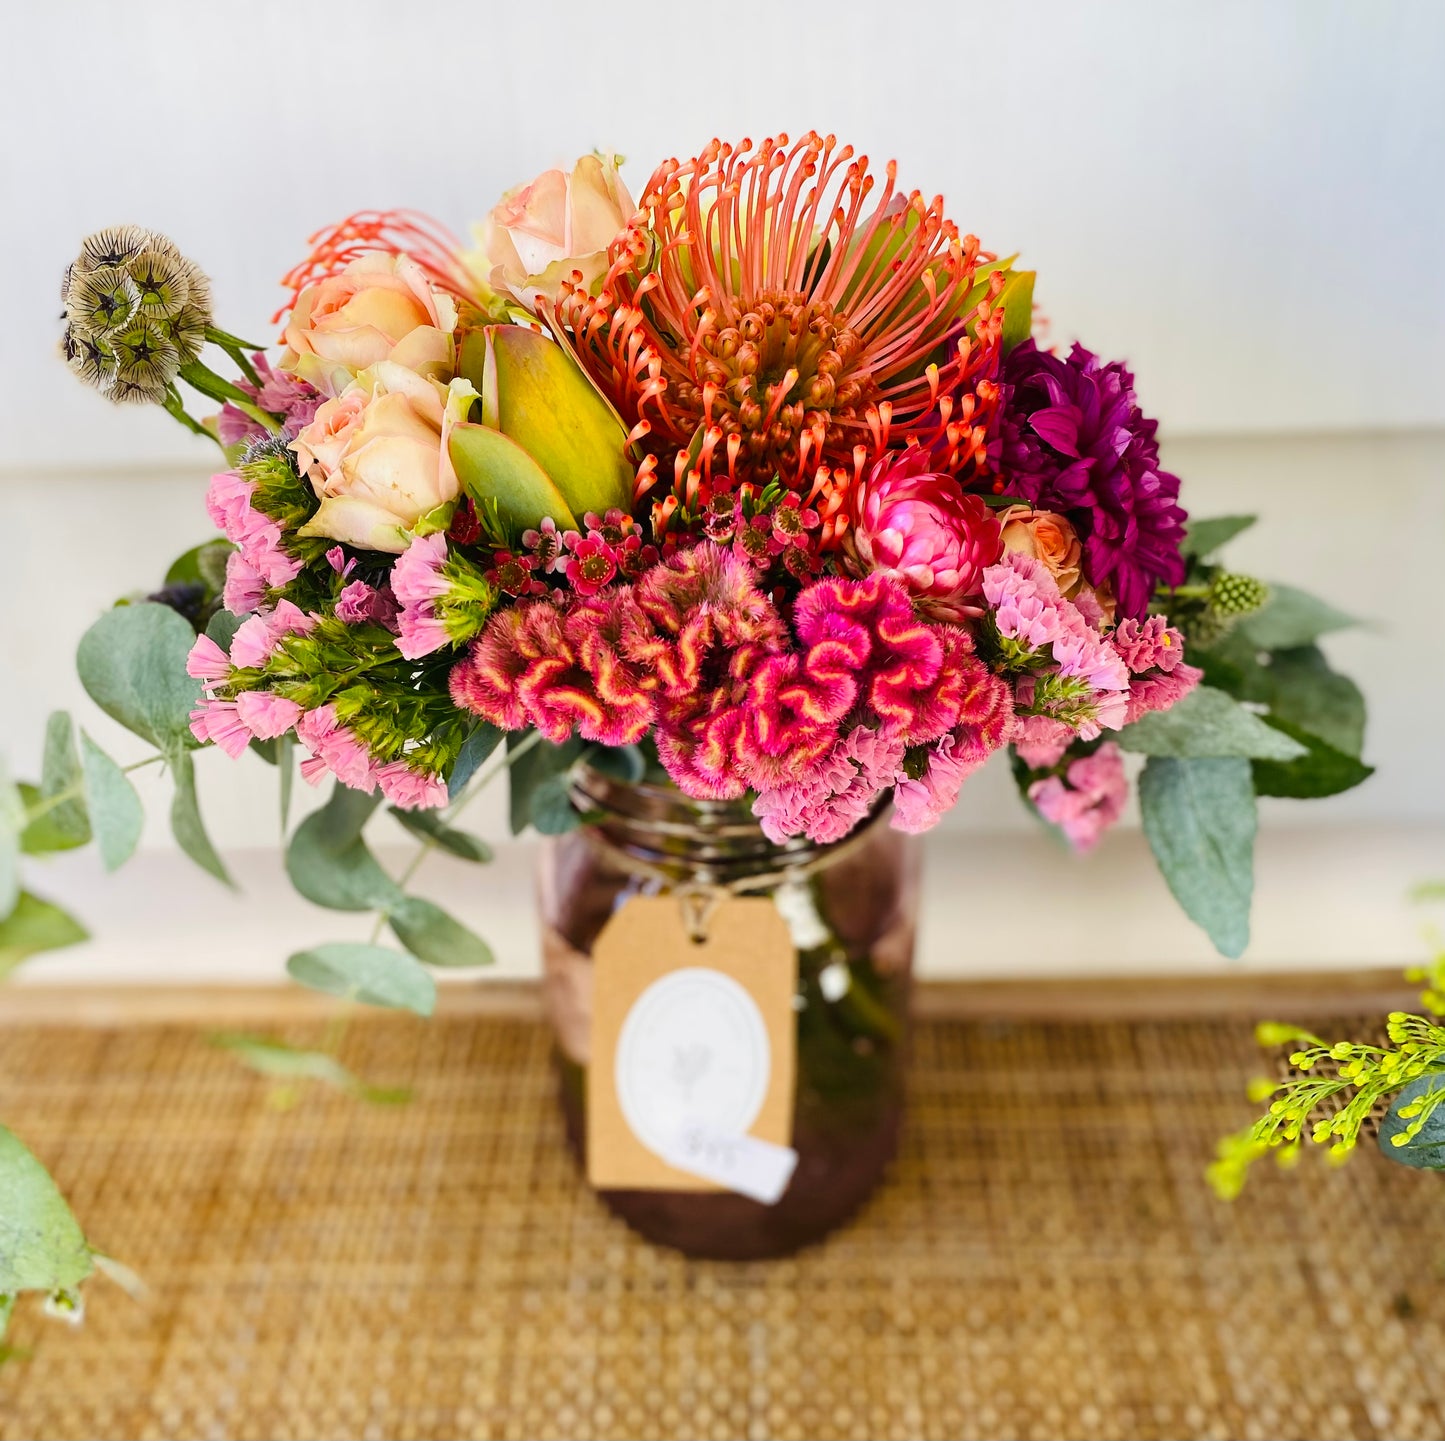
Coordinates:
207 662
261 563
336 559
265 714
444 598
258 635
217 721
282 394
1087 799
833 795
986 722
335 748
410 789
245 586
1160 690
1150 644
1041 741
360 602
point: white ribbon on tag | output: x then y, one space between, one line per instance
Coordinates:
753 1168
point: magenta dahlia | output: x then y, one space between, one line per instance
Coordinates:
1074 440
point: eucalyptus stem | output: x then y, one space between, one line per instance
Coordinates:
77 791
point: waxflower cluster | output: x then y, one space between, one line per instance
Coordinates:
762 471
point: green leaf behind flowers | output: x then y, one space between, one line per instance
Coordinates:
330 863
1321 771
428 826
1300 688
132 663
540 784
1205 536
1291 618
42 1247
431 935
116 813
483 740
1207 722
1426 1151
33 926
374 975
186 824
12 827
289 1063
61 777
1199 816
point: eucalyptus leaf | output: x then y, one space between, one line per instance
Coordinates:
290 1063
431 935
222 628
1291 618
33 926
539 780
61 776
42 1247
1305 692
1203 537
1200 818
186 824
625 763
1427 1151
483 740
116 813
1321 771
374 975
1207 722
428 826
132 663
329 862
41 836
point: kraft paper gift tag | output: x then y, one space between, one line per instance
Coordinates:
692 1070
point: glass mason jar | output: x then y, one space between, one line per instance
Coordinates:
851 909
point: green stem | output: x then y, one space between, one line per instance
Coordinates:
1188 592
242 362
175 407
76 791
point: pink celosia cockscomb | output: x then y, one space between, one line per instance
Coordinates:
917 525
558 670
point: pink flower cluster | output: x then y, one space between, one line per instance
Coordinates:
1087 799
232 715
261 563
818 722
280 393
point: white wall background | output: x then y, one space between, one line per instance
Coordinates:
1245 200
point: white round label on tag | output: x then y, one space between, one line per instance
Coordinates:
693 1051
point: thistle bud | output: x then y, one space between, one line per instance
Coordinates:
1236 595
136 311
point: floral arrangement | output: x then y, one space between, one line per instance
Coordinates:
761 483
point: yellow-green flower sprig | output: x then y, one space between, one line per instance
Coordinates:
1363 1077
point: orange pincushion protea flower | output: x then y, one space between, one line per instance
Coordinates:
762 317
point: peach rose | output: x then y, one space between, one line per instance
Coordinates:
381 307
377 456
1046 537
538 234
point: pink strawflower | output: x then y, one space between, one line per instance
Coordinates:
986 722
1041 741
266 715
1151 644
208 662
218 721
411 789
360 602
1088 799
923 528
1159 691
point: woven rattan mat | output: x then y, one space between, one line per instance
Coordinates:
1045 1262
